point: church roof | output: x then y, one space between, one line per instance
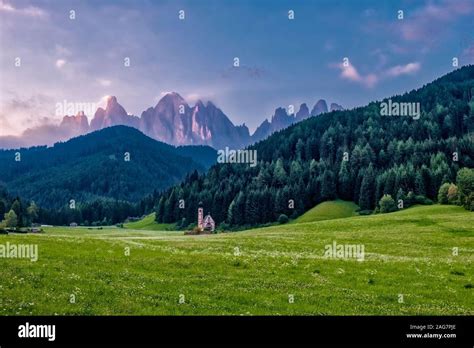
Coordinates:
208 219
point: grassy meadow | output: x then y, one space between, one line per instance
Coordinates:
329 210
409 269
148 223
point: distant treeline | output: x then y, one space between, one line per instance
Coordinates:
101 212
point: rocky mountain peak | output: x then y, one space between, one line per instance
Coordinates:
302 113
319 108
336 107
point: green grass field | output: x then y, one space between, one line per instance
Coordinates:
148 223
408 254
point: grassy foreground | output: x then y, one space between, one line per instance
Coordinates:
276 270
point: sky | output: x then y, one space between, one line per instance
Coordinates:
282 61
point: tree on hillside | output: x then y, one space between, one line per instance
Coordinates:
32 211
11 219
387 204
17 208
3 207
453 196
236 210
443 193
344 183
465 182
367 190
279 173
328 185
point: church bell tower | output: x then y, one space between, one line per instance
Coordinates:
200 216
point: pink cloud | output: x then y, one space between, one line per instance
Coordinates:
398 70
425 23
349 72
30 11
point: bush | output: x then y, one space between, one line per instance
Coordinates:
470 199
443 193
465 181
283 219
410 199
387 204
365 212
420 199
453 195
427 201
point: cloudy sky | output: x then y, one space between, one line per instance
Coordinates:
282 61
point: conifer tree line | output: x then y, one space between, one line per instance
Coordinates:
16 212
356 155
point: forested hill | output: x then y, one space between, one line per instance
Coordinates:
392 155
95 166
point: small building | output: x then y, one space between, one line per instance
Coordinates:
73 224
205 223
208 223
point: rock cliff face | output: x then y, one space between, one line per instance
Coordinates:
173 121
113 115
75 124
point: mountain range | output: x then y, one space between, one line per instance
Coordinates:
281 119
172 121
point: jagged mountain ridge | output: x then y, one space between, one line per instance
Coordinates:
281 119
172 121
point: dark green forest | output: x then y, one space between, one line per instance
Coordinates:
355 155
93 171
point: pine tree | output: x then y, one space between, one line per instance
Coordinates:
367 190
328 185
344 182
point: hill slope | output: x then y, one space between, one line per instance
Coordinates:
95 165
328 211
148 223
